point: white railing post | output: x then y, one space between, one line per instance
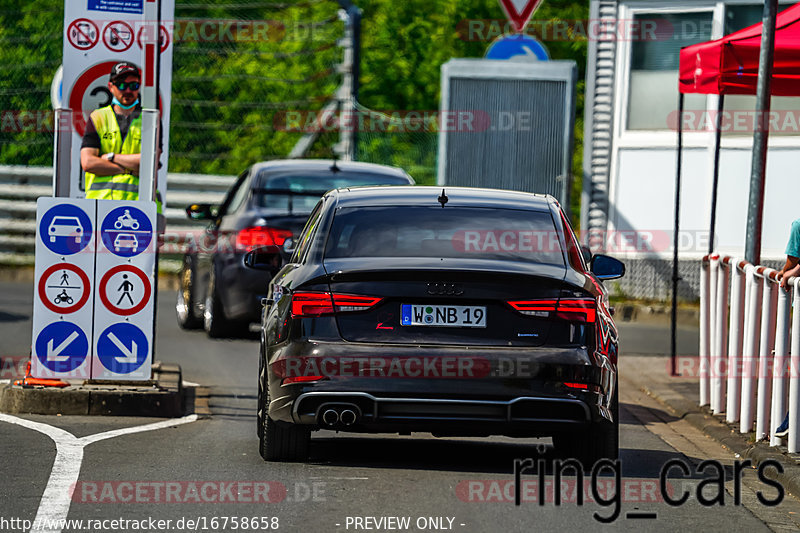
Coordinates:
794 373
718 359
705 331
768 312
750 352
779 365
735 342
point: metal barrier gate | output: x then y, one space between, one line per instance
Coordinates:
746 323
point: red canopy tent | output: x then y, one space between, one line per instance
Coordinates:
730 66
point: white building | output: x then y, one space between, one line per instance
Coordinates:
630 145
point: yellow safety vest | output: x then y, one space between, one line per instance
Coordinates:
119 186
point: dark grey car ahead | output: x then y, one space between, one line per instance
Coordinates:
268 204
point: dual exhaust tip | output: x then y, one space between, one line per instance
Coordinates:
339 415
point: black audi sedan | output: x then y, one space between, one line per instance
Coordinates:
267 205
456 311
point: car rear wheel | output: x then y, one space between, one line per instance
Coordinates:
184 307
282 442
600 442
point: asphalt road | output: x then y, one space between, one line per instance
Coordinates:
210 468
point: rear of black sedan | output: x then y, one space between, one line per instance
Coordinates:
463 312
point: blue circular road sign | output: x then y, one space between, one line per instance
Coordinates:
62 346
517 46
65 229
126 231
122 348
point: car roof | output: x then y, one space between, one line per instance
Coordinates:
429 195
320 165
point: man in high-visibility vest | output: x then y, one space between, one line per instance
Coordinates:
111 147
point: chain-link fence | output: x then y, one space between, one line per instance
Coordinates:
230 88
405 139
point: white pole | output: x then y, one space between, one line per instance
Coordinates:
718 359
713 274
735 342
750 352
780 364
794 375
705 331
768 312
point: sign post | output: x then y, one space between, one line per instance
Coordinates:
62 306
100 33
125 272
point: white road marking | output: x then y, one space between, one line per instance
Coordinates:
57 496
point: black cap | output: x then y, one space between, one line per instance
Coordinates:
123 69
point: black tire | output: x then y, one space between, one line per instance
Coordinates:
280 441
184 307
262 406
601 441
214 322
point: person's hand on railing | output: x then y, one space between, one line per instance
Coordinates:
784 277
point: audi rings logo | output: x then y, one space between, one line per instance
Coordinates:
444 289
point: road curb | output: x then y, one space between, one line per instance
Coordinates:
729 437
162 397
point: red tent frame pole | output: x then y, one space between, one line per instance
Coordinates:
717 143
675 241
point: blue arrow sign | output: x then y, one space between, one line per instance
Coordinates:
122 348
517 46
62 346
126 231
65 229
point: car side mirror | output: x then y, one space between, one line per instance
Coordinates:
201 211
264 258
289 246
605 267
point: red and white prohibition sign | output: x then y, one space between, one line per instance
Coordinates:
125 290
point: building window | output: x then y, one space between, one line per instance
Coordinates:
653 94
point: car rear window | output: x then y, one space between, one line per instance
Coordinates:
303 191
452 232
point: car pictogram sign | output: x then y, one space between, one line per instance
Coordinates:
118 36
83 34
64 288
122 348
65 229
126 231
124 290
62 347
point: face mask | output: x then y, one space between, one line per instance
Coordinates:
114 101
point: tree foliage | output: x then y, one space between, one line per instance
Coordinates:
230 97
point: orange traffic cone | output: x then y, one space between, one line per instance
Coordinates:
38 382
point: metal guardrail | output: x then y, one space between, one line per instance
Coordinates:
20 186
749 383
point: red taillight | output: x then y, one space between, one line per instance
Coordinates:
582 386
256 236
577 309
325 303
301 379
572 309
541 308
